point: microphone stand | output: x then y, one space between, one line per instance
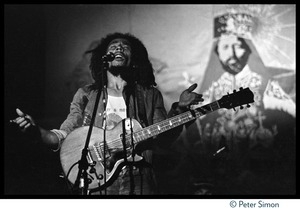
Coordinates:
132 184
82 180
105 60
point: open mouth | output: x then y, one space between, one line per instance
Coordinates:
119 57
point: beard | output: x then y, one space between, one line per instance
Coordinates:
233 69
237 66
126 73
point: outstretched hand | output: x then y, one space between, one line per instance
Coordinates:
23 120
188 97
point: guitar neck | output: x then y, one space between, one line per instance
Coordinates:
175 121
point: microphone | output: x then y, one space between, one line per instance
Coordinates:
108 57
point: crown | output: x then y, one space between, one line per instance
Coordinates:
240 24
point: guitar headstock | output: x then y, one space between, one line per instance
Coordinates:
237 98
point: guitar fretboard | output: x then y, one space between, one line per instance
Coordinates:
175 121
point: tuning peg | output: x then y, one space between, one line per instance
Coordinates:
233 109
234 91
248 106
241 107
241 88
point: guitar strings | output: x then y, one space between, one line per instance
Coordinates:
151 130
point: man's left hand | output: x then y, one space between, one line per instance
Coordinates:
188 97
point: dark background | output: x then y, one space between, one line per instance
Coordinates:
29 167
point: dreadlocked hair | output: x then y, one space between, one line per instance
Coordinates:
140 63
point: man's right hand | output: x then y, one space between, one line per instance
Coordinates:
24 121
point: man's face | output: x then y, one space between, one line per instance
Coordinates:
232 54
122 50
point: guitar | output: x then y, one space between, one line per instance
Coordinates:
100 175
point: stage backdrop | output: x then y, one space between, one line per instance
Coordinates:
179 39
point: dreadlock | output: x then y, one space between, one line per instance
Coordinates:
143 70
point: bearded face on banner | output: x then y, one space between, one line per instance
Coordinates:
257 135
